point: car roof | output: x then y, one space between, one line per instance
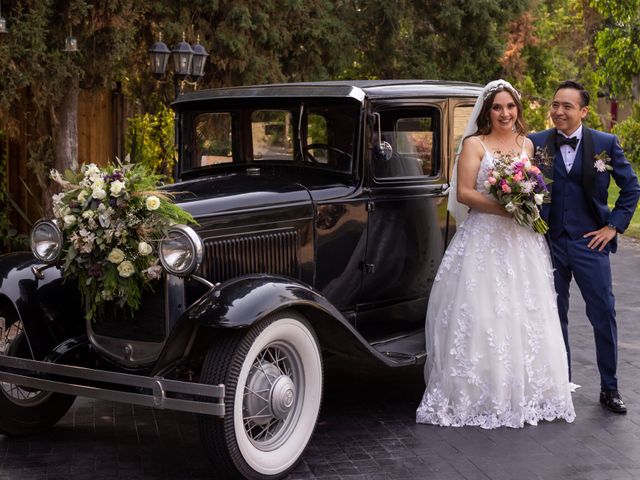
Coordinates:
357 89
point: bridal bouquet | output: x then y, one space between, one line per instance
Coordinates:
111 221
518 185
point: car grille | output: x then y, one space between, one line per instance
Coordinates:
146 325
270 252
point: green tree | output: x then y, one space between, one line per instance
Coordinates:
550 43
629 133
248 42
453 39
617 45
150 140
41 81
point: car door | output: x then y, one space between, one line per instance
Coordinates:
407 221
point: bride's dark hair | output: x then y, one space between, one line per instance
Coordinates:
484 117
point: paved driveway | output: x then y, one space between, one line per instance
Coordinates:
367 428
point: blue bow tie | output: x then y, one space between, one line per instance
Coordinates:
562 140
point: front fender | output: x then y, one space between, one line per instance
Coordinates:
49 308
242 301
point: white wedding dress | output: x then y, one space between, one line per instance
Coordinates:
495 352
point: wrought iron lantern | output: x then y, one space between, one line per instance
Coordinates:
199 59
70 43
3 22
188 62
182 57
159 54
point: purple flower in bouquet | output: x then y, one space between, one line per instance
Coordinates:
518 184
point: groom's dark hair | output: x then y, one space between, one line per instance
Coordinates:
584 95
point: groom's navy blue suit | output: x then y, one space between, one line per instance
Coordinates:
579 205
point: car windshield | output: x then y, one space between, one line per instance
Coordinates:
314 134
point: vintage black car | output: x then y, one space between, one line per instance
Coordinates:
321 211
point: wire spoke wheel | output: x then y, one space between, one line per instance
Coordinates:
273 388
13 342
23 410
272 399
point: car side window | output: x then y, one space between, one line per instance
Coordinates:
461 114
413 135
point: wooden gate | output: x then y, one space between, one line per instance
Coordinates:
101 128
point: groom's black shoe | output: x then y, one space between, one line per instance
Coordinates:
613 401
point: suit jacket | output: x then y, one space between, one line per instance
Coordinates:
595 184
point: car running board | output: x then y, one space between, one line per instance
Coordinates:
407 349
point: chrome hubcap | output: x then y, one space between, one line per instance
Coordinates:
283 395
272 396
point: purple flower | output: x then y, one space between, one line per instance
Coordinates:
95 270
116 175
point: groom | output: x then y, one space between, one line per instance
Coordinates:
582 229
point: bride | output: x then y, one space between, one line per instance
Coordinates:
495 353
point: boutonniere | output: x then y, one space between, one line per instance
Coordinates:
601 162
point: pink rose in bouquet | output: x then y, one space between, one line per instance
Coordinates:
518 184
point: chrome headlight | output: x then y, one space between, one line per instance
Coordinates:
180 251
46 241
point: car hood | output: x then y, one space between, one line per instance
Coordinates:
221 194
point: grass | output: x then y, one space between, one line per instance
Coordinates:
634 226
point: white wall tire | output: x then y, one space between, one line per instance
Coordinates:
273 380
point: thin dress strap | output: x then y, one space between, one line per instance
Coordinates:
523 153
486 150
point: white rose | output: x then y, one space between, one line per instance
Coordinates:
91 170
117 188
510 207
487 185
82 196
97 182
98 193
116 256
144 249
126 269
538 198
88 214
153 202
69 220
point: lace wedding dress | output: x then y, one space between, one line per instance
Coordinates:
495 353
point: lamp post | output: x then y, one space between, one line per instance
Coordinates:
188 62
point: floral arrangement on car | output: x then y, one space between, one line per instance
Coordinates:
518 184
112 219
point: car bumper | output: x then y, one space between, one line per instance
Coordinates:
154 392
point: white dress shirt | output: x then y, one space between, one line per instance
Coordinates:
568 153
